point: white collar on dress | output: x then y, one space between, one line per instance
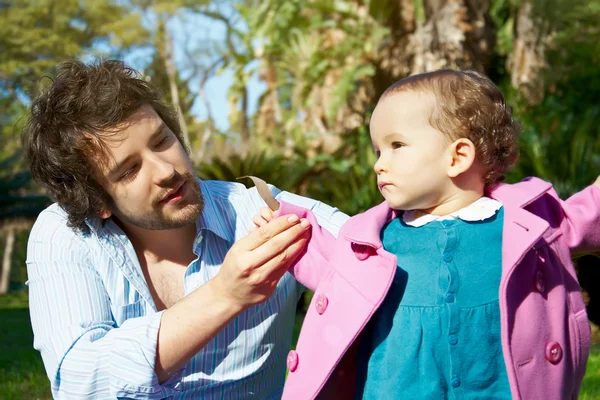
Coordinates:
480 210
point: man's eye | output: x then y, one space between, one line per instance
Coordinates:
128 175
162 142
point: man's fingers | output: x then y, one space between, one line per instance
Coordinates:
259 220
266 213
278 246
279 264
266 232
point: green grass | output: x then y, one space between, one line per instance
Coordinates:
22 374
590 388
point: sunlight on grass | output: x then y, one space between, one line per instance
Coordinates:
590 389
22 374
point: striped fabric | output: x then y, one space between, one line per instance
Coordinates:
83 287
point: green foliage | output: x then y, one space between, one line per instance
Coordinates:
289 175
561 137
346 178
36 34
561 145
16 201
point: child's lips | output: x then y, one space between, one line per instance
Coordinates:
383 184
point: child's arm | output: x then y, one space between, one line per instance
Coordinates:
312 266
581 225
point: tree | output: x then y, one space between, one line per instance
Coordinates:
19 206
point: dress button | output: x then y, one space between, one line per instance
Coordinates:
321 303
540 284
292 361
455 382
554 352
447 257
447 222
361 251
452 339
449 297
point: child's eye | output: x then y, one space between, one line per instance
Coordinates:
377 153
397 145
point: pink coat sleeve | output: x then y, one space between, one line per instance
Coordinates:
313 265
581 223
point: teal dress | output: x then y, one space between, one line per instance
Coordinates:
437 333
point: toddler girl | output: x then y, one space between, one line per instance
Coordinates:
457 286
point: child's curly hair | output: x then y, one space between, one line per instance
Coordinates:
469 105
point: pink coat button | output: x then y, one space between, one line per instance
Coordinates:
321 303
540 284
292 361
361 251
554 352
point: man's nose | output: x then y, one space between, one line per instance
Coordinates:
163 169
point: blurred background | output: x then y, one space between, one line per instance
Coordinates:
283 89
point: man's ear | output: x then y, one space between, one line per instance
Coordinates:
462 157
105 214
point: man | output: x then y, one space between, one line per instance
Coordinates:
136 287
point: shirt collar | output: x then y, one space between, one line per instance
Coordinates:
480 210
218 214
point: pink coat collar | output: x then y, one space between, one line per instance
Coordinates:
365 228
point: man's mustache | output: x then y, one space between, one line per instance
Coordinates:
168 186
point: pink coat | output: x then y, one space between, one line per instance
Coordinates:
545 330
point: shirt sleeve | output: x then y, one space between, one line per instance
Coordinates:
581 222
85 355
329 218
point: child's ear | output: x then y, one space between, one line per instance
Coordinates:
462 153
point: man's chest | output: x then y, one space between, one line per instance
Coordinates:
165 281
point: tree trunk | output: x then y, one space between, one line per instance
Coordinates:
431 34
7 261
528 59
244 124
171 74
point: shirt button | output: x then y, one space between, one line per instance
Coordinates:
292 361
452 339
199 239
455 382
449 297
554 352
539 283
321 303
447 257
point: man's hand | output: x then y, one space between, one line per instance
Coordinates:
266 214
255 263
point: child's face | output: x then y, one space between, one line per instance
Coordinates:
413 156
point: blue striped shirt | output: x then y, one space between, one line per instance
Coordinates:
96 325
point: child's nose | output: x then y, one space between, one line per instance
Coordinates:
379 166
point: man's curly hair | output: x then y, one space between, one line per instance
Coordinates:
63 136
469 105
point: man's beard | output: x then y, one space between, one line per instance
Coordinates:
157 220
